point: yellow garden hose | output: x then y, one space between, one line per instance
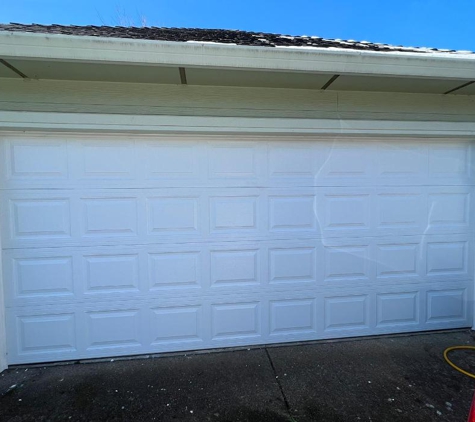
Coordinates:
449 349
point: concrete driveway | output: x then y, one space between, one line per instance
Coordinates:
402 378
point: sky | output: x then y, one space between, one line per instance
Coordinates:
412 23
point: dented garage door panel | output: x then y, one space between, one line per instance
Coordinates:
128 245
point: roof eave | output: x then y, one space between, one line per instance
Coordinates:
39 46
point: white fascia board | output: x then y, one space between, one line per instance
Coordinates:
12 121
18 45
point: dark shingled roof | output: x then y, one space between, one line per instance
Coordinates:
222 36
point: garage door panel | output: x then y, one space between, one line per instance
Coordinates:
190 161
292 213
90 273
175 270
344 212
446 306
174 325
103 273
117 245
103 160
27 159
348 162
449 210
401 162
41 277
168 161
400 259
292 317
296 164
109 216
37 335
235 214
448 257
398 308
235 160
145 325
401 210
37 218
450 160
347 313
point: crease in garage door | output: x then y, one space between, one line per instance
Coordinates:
130 245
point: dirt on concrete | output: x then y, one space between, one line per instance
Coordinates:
398 378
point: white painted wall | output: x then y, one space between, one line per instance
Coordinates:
212 101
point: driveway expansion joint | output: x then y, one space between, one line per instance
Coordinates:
277 380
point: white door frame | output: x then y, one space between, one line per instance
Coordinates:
69 122
3 332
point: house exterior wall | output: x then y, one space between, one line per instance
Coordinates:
187 100
79 105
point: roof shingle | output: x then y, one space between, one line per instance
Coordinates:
221 36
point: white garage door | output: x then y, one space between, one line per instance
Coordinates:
115 246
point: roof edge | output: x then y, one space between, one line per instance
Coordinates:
72 48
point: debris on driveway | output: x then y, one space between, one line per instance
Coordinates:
397 378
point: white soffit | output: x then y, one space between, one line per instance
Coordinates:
60 70
266 79
385 84
41 69
467 90
6 72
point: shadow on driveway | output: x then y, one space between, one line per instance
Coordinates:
401 378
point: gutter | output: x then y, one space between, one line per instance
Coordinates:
87 49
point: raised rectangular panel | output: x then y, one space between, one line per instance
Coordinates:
176 324
292 265
447 258
109 329
37 160
105 273
291 161
235 320
295 316
402 160
106 159
232 161
174 270
347 211
171 161
45 276
110 216
449 160
173 215
230 213
449 209
46 333
346 312
397 309
40 218
446 305
400 211
346 262
288 213
397 260
235 267
348 161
